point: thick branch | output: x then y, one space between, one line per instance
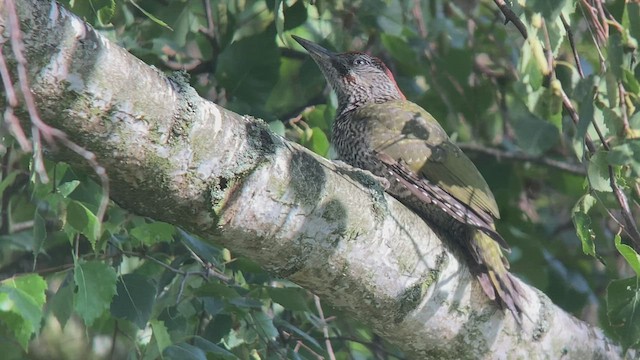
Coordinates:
176 157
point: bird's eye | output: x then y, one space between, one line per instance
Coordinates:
359 61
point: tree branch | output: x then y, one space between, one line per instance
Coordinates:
509 15
173 156
576 169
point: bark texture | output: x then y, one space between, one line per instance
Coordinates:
173 156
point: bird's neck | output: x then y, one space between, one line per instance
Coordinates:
350 102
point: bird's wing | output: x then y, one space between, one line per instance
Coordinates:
430 193
407 133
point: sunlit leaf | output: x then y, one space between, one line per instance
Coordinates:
21 302
632 257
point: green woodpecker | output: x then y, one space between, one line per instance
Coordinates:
378 130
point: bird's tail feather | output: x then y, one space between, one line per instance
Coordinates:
494 277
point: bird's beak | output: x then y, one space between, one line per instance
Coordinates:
317 52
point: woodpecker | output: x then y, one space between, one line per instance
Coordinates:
377 129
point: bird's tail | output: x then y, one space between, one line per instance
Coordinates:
493 274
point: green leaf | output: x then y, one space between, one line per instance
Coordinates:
8 180
611 120
182 26
390 21
154 232
629 254
213 349
264 325
620 154
295 15
550 9
184 351
105 13
279 17
163 340
292 298
319 142
627 154
39 235
630 81
219 327
204 250
598 172
217 290
401 52
83 220
61 304
249 68
244 302
623 310
582 222
615 53
135 298
67 188
96 286
535 135
584 93
310 340
633 9
13 323
150 16
21 302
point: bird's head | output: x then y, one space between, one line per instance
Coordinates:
357 78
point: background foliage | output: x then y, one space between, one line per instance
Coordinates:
550 134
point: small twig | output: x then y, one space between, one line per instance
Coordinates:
603 18
12 102
4 211
566 103
112 351
623 108
210 24
24 225
209 267
602 28
325 328
611 215
629 221
576 169
39 127
210 31
572 43
300 344
631 229
509 15
547 45
599 32
416 11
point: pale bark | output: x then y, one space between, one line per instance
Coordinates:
173 156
